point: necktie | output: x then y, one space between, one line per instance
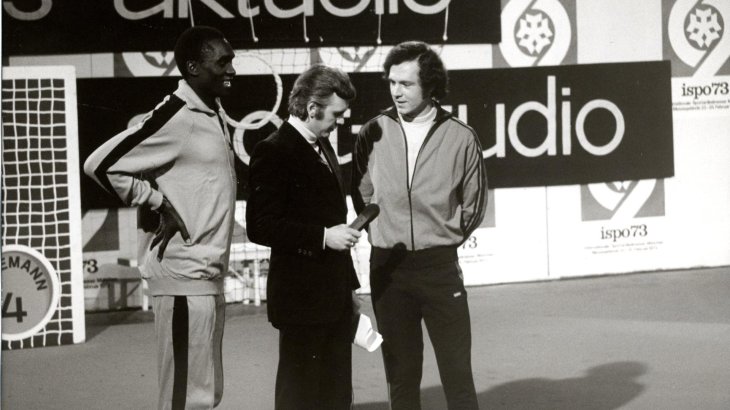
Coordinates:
322 156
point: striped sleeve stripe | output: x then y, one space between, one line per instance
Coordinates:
160 116
180 351
481 195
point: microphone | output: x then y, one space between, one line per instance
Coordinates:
370 212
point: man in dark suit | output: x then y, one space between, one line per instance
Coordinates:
297 207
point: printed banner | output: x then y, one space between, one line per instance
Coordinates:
87 26
622 227
565 125
513 227
698 45
701 97
539 126
622 200
537 33
474 253
696 39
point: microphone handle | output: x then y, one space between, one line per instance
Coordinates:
366 216
359 222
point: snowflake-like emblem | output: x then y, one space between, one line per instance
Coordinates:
534 33
703 27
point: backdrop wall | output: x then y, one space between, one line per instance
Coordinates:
658 200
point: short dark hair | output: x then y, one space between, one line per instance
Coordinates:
191 43
433 75
317 84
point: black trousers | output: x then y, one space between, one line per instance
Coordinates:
315 366
426 285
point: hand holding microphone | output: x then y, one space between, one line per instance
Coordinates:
343 237
367 215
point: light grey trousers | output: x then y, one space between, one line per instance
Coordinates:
189 331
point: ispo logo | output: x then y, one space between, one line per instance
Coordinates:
535 32
622 200
696 30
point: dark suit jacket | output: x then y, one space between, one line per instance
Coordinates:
293 197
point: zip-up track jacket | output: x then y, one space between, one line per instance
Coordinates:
181 151
447 197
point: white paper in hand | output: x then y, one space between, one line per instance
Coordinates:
365 336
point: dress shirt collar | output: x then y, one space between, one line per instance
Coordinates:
300 126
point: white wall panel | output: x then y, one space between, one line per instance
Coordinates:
618 30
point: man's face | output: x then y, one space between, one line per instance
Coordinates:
406 90
215 70
325 118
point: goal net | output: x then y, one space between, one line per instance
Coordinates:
351 59
41 209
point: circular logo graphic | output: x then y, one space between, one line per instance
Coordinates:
703 27
30 291
697 34
534 33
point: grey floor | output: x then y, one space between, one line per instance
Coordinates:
644 341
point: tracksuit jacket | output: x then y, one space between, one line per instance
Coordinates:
447 197
182 151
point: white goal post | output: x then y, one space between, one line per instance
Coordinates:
42 272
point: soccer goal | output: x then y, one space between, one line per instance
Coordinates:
42 278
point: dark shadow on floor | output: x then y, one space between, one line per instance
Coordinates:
605 387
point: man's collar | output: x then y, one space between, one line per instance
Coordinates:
392 112
425 117
300 126
192 101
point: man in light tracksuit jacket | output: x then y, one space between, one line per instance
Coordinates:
424 168
177 167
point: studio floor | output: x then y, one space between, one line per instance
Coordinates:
657 340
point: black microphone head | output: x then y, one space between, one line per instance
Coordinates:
369 213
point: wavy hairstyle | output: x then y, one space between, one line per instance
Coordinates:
317 84
433 75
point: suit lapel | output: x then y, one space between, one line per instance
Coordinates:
300 147
310 158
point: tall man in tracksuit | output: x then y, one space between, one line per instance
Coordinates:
177 167
425 169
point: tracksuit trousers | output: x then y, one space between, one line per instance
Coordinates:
189 332
408 287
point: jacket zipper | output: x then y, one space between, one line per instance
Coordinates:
409 183
231 172
226 145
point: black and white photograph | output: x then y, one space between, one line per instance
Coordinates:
365 204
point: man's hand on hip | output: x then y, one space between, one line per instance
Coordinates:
170 224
